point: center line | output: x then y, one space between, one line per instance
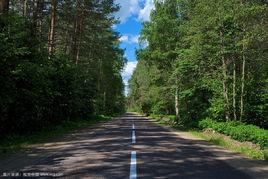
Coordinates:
133 166
133 137
133 127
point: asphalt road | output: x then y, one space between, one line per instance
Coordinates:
130 147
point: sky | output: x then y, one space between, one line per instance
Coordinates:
131 15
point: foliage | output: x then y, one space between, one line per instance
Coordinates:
209 57
78 77
220 140
238 131
216 138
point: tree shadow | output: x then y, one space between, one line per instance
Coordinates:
104 152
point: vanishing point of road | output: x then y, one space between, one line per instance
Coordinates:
131 146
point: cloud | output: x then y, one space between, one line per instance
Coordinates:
144 13
129 68
144 43
124 38
130 39
127 9
140 9
134 39
127 73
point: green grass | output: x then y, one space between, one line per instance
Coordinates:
219 140
238 131
15 142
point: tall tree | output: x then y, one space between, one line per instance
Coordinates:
216 57
52 24
40 87
243 68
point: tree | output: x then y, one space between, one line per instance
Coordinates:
52 55
52 24
4 6
211 54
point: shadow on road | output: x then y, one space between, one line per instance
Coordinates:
104 152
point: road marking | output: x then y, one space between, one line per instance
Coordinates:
133 137
133 166
133 127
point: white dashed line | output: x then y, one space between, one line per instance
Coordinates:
133 137
133 166
133 127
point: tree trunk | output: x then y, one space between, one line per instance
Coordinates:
104 101
76 34
234 90
225 89
68 29
67 44
38 14
4 6
79 41
177 102
100 86
37 19
243 72
51 34
224 81
242 86
25 6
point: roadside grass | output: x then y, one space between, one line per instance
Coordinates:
245 148
15 142
226 142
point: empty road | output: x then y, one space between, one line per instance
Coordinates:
130 146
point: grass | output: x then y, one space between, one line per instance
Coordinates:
15 142
237 131
217 139
220 140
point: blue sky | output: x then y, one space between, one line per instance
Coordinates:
131 15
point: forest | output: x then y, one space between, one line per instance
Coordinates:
59 61
204 59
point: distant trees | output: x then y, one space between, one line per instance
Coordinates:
216 53
59 60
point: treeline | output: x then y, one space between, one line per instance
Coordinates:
205 58
59 60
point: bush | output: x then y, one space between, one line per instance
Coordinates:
172 118
238 131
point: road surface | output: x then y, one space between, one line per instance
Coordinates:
130 146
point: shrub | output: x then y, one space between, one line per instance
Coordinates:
238 131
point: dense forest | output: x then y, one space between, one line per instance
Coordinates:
59 60
204 59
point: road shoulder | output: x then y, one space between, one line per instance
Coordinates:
254 168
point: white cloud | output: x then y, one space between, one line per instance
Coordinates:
129 68
131 39
124 38
134 8
134 39
127 73
144 14
144 43
127 9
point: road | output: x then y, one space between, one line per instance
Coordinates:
130 146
